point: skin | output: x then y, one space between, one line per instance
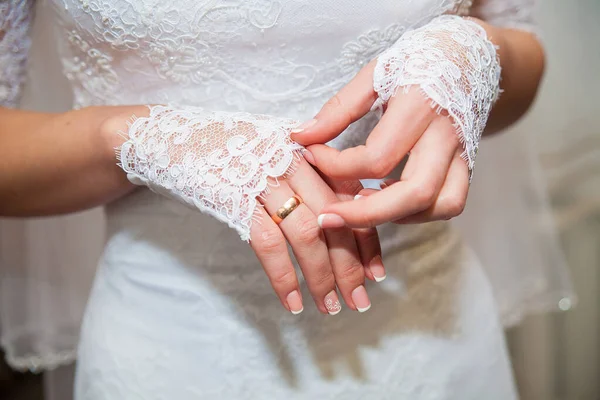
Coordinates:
61 163
434 183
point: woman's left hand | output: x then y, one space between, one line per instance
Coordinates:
447 65
435 181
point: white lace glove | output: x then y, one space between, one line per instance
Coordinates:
454 64
220 163
217 162
447 66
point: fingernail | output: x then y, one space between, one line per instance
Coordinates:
308 156
295 302
382 185
358 196
377 269
328 221
361 299
332 303
302 127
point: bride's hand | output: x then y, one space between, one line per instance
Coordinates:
338 256
437 85
221 163
435 180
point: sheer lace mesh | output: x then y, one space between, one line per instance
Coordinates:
216 161
454 64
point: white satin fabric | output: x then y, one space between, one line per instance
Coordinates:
317 69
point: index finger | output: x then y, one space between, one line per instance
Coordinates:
350 104
430 160
408 116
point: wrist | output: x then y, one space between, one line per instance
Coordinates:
495 35
522 60
113 128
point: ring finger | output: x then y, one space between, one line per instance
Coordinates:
343 251
268 243
308 243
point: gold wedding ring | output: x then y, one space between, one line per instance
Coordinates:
286 209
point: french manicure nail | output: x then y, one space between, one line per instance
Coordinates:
302 127
332 303
308 156
295 302
358 196
377 269
328 221
361 299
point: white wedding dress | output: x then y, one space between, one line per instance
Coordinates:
180 307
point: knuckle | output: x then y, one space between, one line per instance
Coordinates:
380 167
369 236
110 126
322 279
453 206
269 241
283 278
351 272
350 187
424 194
308 231
334 102
367 219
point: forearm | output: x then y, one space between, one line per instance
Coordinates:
522 61
61 163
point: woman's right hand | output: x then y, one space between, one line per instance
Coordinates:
341 257
222 163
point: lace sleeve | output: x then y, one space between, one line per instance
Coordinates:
217 162
518 14
15 22
454 64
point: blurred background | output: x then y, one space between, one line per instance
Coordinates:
556 356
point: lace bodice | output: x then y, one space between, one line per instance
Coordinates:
253 56
274 56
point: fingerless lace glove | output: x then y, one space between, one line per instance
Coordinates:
454 64
218 162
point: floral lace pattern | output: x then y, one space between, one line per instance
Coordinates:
91 68
184 279
455 65
215 51
15 21
215 161
168 38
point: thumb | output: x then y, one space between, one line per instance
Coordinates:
351 103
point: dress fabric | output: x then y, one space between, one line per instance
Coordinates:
180 308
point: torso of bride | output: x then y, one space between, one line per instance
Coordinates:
179 287
278 57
